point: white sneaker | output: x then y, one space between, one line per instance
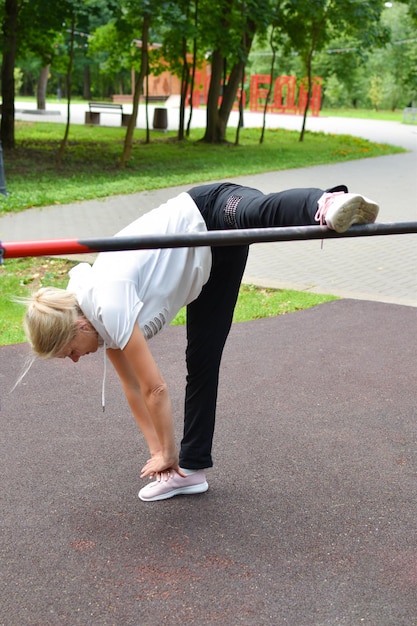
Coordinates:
175 485
340 210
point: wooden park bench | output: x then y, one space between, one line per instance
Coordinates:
92 116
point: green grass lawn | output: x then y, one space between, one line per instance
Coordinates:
18 277
366 114
90 169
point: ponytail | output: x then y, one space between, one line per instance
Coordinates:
49 322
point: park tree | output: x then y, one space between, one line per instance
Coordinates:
10 30
220 32
346 66
71 24
275 38
26 25
227 30
311 24
36 29
396 62
341 64
125 42
94 14
412 9
114 43
145 14
180 49
78 13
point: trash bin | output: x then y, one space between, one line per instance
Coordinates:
126 117
160 119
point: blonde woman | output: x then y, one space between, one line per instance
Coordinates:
125 298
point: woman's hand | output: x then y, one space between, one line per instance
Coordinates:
161 466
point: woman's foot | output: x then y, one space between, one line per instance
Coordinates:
339 210
175 485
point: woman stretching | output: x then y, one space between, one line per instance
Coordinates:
125 298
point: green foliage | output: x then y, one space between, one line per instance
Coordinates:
335 92
18 79
90 169
20 277
40 21
351 53
375 91
349 39
113 45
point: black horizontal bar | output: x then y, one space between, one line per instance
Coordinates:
245 236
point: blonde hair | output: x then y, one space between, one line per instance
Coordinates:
49 322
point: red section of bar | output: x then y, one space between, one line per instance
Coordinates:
16 249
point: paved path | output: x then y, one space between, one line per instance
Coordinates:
382 269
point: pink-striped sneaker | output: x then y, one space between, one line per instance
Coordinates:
175 485
339 210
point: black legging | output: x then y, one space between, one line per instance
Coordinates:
209 317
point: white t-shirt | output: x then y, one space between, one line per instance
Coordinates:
147 287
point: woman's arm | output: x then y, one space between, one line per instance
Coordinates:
147 390
134 397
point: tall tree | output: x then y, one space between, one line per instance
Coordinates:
42 87
273 37
12 10
138 90
229 31
396 63
180 48
310 24
27 26
64 141
124 42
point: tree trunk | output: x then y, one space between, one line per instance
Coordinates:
87 83
229 96
41 88
193 71
271 84
148 134
217 119
309 88
309 68
10 29
64 141
185 81
192 86
128 143
213 134
240 124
